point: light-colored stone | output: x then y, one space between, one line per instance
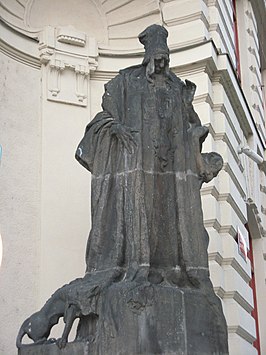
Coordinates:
45 210
20 196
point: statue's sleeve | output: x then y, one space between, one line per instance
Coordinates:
188 93
113 100
97 139
208 164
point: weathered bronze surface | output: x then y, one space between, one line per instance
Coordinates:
146 289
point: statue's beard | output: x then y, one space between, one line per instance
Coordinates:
150 71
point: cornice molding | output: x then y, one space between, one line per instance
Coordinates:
222 108
189 18
212 223
102 75
215 256
19 56
227 197
232 261
236 296
241 332
219 291
255 223
226 76
259 9
210 190
19 47
222 136
227 168
112 51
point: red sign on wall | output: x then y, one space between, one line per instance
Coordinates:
242 245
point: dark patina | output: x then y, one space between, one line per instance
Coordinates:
146 289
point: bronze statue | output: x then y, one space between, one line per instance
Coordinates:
144 153
147 250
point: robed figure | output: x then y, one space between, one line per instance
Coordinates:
144 153
146 289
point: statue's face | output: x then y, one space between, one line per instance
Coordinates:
160 63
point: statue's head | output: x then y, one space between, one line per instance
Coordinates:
156 58
154 39
161 62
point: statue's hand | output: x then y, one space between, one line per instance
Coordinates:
213 163
124 135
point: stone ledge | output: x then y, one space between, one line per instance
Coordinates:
53 349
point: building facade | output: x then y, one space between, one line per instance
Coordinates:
55 58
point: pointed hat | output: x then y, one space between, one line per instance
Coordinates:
154 39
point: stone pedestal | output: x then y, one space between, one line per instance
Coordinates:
77 348
157 319
143 318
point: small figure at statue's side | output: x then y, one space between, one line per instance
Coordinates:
147 250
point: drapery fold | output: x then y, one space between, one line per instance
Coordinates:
145 204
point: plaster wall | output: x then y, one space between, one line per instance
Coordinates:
20 196
237 345
259 251
221 26
65 197
187 22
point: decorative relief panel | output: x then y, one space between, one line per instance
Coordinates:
68 57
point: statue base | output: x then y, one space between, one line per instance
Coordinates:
144 318
75 348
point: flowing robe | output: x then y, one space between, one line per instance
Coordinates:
146 208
